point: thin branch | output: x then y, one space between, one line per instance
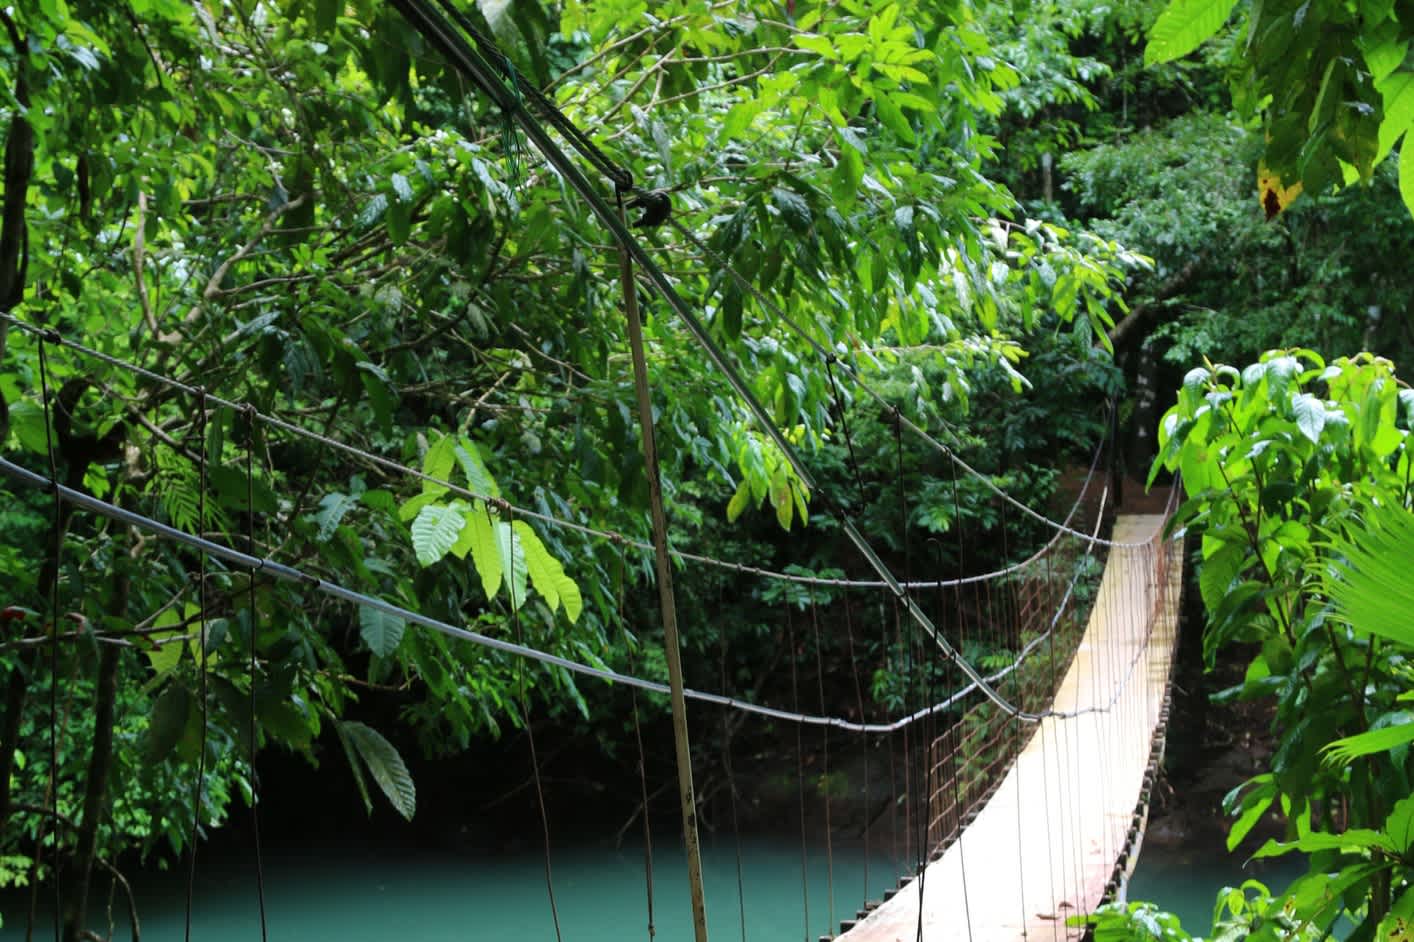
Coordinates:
213 286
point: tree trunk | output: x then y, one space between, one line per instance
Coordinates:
95 797
14 251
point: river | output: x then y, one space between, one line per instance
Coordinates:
363 893
357 894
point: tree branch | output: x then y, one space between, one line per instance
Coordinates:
1128 330
213 285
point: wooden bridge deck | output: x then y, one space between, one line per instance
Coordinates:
1044 846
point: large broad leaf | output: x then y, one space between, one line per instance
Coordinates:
1355 840
1183 26
1372 590
1216 572
1399 826
439 461
1406 172
547 573
480 536
169 721
1347 750
166 646
1310 415
383 763
512 553
435 532
380 630
332 508
478 476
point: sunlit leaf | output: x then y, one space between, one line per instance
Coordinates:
1183 26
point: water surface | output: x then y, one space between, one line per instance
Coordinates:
364 894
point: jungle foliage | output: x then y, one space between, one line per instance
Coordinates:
297 205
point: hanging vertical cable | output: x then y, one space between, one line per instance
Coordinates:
731 775
794 653
859 705
530 731
958 791
199 782
55 559
826 786
252 625
642 756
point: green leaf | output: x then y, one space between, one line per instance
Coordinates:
1183 26
817 44
1371 590
165 653
478 477
485 554
285 722
740 501
441 457
27 424
1215 573
380 630
1355 840
1406 173
1310 415
547 574
794 209
1251 814
1382 58
893 117
1347 750
383 763
169 720
435 532
512 555
413 506
1397 97
398 219
1399 826
332 508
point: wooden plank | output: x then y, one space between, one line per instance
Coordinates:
1044 846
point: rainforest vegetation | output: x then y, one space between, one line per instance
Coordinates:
295 216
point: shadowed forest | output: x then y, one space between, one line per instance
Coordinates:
330 331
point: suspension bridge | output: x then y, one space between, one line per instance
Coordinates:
1016 799
1014 793
1061 829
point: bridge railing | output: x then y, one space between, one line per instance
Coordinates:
1037 616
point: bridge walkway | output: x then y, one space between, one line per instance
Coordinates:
1054 833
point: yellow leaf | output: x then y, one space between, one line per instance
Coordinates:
1274 196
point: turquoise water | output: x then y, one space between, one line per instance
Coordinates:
354 894
367 893
1186 881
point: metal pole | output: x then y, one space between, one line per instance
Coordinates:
665 598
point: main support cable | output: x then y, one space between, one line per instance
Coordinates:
286 573
613 536
441 34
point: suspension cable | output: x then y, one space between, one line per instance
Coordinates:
286 573
441 34
613 536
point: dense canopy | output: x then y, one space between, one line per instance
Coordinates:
277 273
